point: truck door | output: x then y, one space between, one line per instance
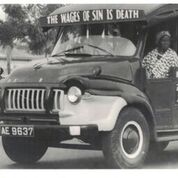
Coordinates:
163 95
160 93
175 97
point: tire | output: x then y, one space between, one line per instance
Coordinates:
158 147
24 150
127 153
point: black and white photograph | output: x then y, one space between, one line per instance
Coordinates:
88 86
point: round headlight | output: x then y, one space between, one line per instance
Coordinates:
74 94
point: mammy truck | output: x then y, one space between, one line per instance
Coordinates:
93 87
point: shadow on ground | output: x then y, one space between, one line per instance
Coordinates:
165 159
82 163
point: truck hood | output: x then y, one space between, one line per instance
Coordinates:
57 69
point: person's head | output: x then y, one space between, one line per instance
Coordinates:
163 40
113 29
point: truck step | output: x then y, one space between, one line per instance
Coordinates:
167 135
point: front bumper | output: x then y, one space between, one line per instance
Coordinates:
58 132
28 118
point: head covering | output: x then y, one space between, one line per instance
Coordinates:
162 34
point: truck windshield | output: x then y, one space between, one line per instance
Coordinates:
115 39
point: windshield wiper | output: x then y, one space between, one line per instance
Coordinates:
78 54
101 49
68 50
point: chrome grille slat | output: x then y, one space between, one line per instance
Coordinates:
58 99
37 96
42 103
32 99
18 100
22 99
13 102
55 99
9 98
25 99
61 100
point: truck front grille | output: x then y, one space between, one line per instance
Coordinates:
24 99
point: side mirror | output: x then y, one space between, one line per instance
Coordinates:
1 71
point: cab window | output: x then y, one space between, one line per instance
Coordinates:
162 45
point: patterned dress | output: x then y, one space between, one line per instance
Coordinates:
158 65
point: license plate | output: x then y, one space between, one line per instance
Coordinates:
23 131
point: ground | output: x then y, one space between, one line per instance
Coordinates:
56 158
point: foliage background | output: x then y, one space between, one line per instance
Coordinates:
21 27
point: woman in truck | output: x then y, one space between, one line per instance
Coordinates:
158 62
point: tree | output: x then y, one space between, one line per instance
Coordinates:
22 24
38 41
13 28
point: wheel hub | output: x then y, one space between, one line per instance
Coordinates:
131 139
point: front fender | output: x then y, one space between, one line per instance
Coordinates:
102 111
131 94
135 98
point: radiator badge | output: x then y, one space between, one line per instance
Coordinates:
40 80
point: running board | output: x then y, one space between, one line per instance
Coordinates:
167 135
75 146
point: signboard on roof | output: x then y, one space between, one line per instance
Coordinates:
91 16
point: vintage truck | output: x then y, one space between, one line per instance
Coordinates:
93 87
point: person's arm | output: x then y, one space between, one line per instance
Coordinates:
175 63
146 63
146 60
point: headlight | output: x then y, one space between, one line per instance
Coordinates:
74 94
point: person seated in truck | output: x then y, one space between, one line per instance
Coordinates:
158 62
114 30
119 44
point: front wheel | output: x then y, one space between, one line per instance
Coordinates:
127 144
24 150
